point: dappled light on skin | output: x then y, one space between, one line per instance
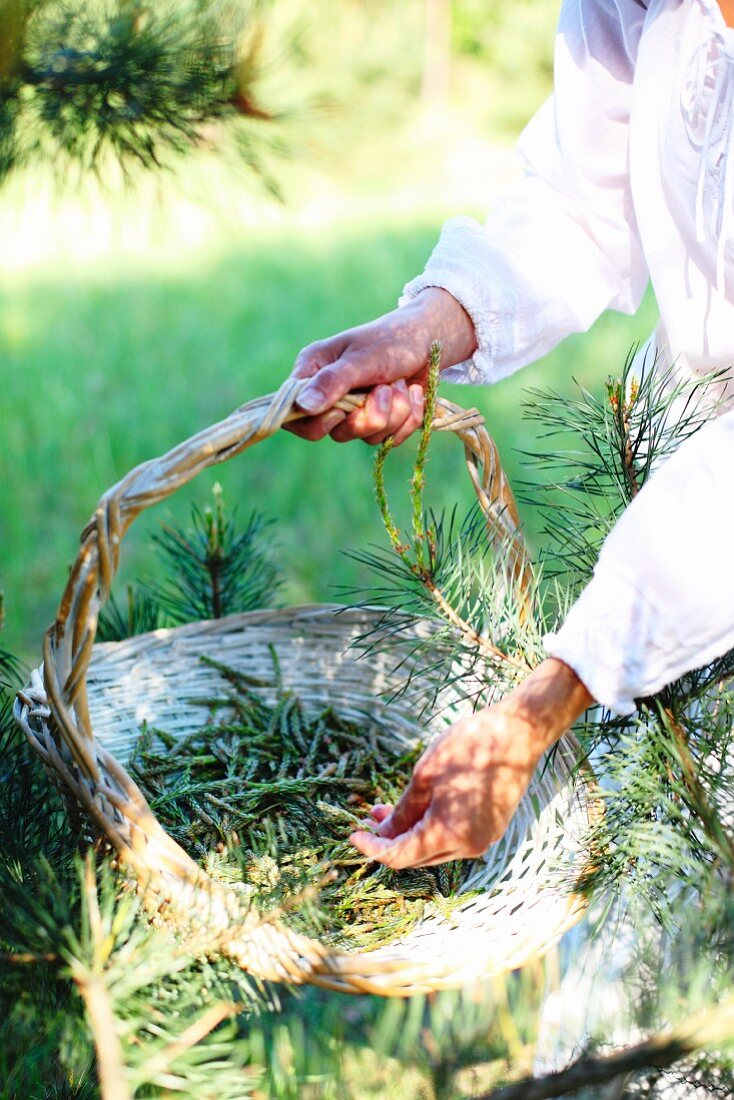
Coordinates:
393 350
469 782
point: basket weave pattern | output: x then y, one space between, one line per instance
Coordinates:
110 689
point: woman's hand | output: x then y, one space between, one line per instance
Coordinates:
389 357
468 783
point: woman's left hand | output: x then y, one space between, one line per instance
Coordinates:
467 785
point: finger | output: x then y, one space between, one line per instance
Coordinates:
336 379
397 853
401 431
314 428
381 811
400 411
415 418
409 810
317 355
373 417
425 841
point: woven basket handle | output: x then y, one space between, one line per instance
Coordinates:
68 643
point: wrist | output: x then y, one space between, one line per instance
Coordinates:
546 704
445 319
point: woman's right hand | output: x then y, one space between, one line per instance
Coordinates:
389 357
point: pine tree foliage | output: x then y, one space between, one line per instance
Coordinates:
605 450
88 989
85 980
74 943
666 831
446 570
140 82
213 567
139 614
664 844
216 569
83 971
668 773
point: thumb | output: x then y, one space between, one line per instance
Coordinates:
330 383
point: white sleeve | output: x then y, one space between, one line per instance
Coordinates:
561 245
661 601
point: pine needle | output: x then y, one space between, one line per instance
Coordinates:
265 795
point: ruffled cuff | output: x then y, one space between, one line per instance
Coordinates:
625 646
453 267
604 641
661 602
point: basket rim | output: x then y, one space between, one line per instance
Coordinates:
344 960
294 957
53 710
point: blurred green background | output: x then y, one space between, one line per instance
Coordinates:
131 316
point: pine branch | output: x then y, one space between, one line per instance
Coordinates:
712 1027
11 669
621 408
123 78
614 445
141 614
700 803
27 958
214 568
421 535
102 1012
420 554
102 1023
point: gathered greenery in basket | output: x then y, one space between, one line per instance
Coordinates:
66 931
264 796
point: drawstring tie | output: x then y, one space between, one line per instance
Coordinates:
707 106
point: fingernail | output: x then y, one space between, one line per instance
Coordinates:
312 400
383 397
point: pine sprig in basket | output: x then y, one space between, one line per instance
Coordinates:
264 796
110 689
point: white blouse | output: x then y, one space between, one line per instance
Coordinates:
628 177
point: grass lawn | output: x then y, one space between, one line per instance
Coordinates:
123 332
107 364
112 351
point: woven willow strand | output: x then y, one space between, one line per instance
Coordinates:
68 644
54 710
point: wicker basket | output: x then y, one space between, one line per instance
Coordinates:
522 908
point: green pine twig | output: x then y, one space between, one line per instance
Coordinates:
418 481
418 554
713 1026
720 837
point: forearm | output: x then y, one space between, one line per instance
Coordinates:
442 318
543 707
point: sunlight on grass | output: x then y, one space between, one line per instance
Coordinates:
130 319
